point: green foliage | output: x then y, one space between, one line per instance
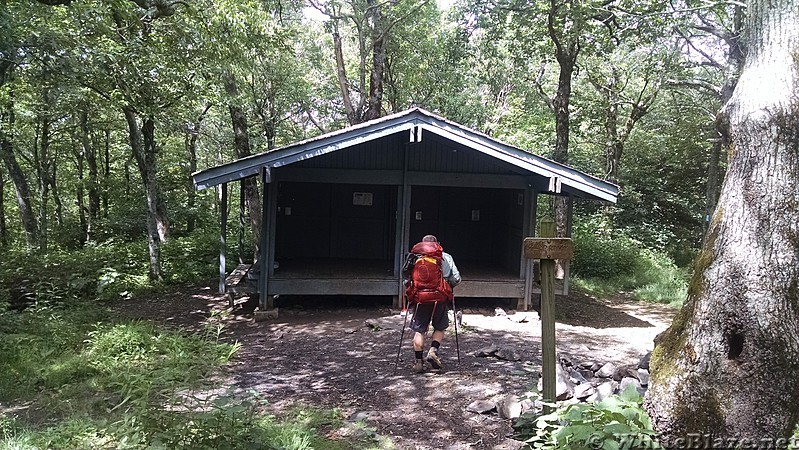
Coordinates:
617 422
608 261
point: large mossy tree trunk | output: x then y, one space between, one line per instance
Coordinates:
727 365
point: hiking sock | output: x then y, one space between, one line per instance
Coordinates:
418 355
435 344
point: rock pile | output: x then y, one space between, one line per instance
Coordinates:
585 381
591 381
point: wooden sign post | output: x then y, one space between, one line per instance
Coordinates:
547 249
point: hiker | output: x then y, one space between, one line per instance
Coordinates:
431 274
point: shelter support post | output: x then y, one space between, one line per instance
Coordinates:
528 229
222 235
547 249
267 254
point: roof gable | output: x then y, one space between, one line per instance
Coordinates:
415 122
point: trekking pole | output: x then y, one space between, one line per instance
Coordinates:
455 319
402 335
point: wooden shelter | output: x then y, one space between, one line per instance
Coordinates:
340 211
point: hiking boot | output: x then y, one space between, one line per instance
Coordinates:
434 360
418 367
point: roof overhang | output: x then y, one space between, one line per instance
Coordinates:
412 121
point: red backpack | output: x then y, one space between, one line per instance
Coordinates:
427 282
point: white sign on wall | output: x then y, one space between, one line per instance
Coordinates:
362 198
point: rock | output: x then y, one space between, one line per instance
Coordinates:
487 351
269 314
644 362
566 362
603 391
588 365
583 391
576 377
481 406
596 367
625 371
606 371
350 330
643 377
528 405
564 389
361 416
507 354
509 407
629 381
499 311
587 374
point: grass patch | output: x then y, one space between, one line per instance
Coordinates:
83 380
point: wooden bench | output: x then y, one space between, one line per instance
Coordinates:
237 283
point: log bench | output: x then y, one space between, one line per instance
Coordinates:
238 283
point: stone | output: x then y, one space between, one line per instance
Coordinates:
361 416
629 381
499 311
507 354
624 372
576 377
270 314
588 365
487 351
586 373
606 371
644 362
643 377
603 391
350 330
481 406
583 391
509 407
564 389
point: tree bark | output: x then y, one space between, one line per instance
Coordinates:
27 217
79 193
726 365
374 107
192 134
3 225
566 50
353 117
90 156
142 143
241 136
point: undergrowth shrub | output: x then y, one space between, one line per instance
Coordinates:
608 261
617 422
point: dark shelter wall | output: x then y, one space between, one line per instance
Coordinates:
474 225
320 220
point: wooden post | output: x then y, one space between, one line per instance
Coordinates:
547 248
222 235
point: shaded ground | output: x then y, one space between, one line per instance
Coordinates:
321 352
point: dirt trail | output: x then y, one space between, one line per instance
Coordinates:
321 352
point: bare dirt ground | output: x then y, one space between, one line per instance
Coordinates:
321 352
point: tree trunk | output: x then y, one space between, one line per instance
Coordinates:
726 365
90 155
21 187
241 137
192 134
353 117
735 60
566 51
142 143
79 194
253 200
43 172
106 171
374 106
3 226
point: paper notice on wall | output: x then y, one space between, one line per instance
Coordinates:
362 198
